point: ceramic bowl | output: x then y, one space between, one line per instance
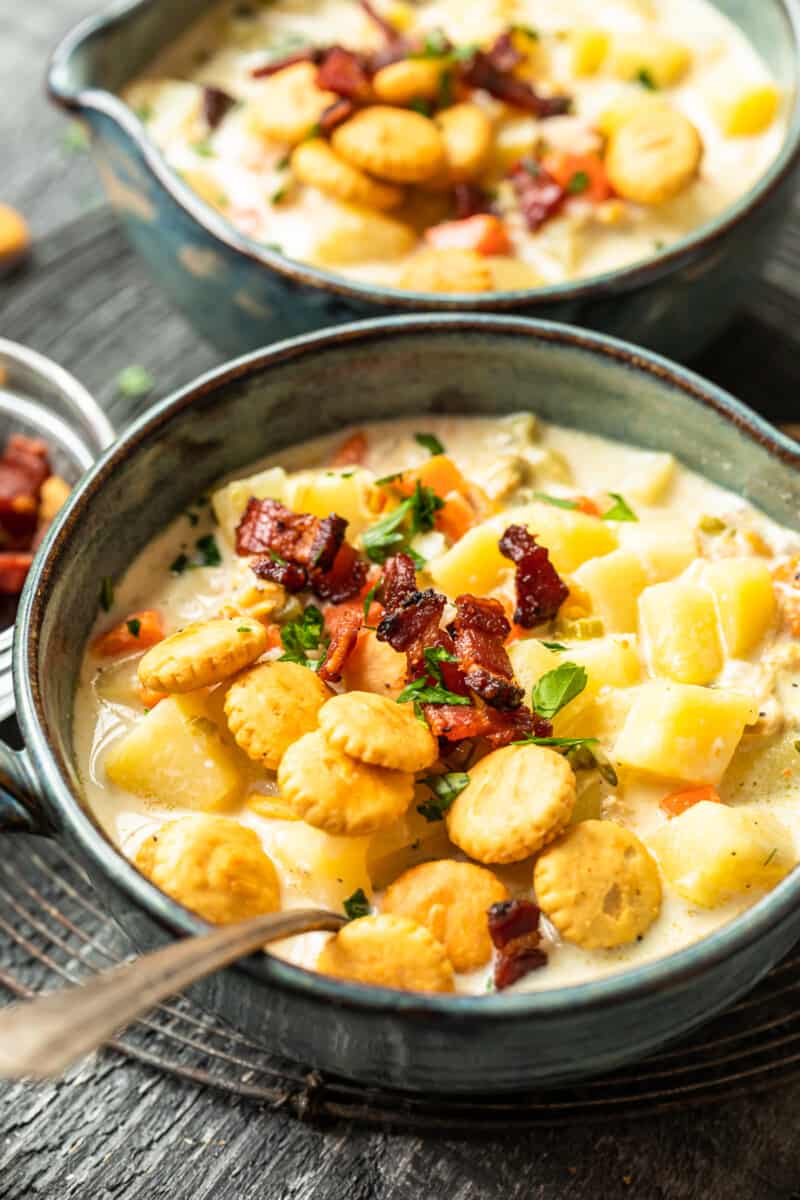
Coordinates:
241 295
268 401
41 400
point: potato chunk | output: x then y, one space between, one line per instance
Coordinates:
664 60
474 564
230 501
320 867
614 582
680 731
177 757
679 629
749 112
345 493
351 234
213 865
745 599
665 547
589 48
712 853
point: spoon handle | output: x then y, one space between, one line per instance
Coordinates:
40 1038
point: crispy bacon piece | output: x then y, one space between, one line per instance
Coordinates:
413 627
352 451
298 538
216 104
455 722
24 466
335 114
341 646
311 54
479 631
470 200
399 580
344 72
345 578
503 54
287 574
482 72
539 195
514 930
14 567
540 589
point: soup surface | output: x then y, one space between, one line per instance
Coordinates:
603 644
451 147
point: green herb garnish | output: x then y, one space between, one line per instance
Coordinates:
423 107
435 45
429 442
558 743
357 905
644 76
179 564
135 381
445 94
444 789
619 511
556 688
300 637
554 646
203 148
421 691
144 112
134 626
528 31
414 515
76 138
279 194
578 183
208 550
712 525
107 593
556 501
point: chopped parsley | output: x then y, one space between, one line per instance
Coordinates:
144 112
429 442
203 148
556 688
711 525
298 638
644 76
554 646
435 45
421 691
135 381
357 905
76 138
558 743
134 626
445 96
527 30
179 564
370 596
276 247
423 107
244 629
578 183
106 593
619 510
279 194
393 532
556 501
588 756
444 789
208 550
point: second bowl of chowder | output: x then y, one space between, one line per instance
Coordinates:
621 165
508 675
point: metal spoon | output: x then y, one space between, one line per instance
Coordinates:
40 1038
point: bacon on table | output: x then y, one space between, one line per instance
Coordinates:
479 631
540 589
514 930
24 466
539 195
14 567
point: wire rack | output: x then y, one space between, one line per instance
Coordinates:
58 933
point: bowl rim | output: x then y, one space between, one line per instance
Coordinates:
675 969
645 272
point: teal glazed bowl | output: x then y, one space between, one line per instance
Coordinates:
278 397
241 295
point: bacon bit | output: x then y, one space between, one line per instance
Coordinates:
342 644
352 451
456 518
567 168
312 55
455 723
342 71
540 197
399 580
335 114
484 234
540 589
481 72
14 567
287 574
469 199
299 538
24 466
514 930
504 55
137 632
479 629
216 104
678 802
413 627
387 29
345 578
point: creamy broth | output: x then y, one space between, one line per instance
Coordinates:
247 176
510 460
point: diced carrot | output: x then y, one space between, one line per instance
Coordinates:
787 572
457 516
136 632
678 802
579 174
338 614
484 233
150 699
790 607
352 451
585 505
439 473
273 636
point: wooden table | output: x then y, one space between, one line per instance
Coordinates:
114 1128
